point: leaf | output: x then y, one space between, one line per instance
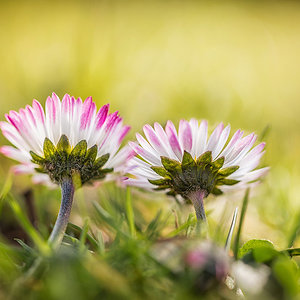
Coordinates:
264 254
218 164
225 181
187 160
205 158
36 158
63 144
79 150
254 244
286 272
160 171
91 154
228 171
171 165
101 161
48 148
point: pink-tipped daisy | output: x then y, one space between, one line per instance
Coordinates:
69 138
191 163
71 141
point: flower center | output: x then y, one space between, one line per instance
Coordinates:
62 161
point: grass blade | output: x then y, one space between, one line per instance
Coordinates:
76 229
292 251
107 218
41 244
239 230
101 244
5 190
295 232
129 212
83 235
191 221
229 237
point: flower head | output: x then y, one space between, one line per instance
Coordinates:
189 161
69 138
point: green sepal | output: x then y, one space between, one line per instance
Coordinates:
218 164
161 188
80 149
100 161
40 170
159 181
63 161
171 165
228 171
98 177
187 160
48 148
205 158
171 193
107 170
36 158
160 171
216 191
91 154
225 181
63 145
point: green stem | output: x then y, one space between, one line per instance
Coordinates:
67 194
196 198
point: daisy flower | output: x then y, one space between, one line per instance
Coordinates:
69 140
190 163
71 137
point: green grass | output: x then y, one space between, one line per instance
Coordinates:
127 249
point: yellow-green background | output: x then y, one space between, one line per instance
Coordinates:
236 62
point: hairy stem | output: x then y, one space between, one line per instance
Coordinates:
196 198
56 236
67 194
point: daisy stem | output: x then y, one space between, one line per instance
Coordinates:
196 198
56 236
67 194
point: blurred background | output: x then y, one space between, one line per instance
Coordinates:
236 62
